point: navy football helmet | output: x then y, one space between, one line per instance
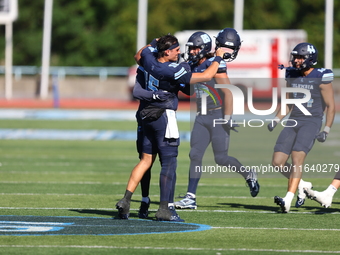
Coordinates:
229 38
308 52
201 40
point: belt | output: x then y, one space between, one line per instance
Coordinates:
210 110
213 109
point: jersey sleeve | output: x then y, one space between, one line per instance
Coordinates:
183 73
148 52
139 90
154 43
187 89
327 76
222 68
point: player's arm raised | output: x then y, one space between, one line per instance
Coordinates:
211 71
137 57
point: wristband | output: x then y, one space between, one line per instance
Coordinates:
227 117
218 59
276 119
327 129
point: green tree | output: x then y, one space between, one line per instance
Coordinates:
291 14
104 32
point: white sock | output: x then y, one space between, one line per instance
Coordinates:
146 199
289 197
192 195
331 190
170 204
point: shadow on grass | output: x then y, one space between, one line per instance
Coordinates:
95 212
311 209
113 213
250 207
317 209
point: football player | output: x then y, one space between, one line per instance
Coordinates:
300 132
219 105
162 72
140 92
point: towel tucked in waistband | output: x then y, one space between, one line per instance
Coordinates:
171 128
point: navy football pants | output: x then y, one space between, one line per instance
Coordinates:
204 133
154 142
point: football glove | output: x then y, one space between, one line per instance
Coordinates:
272 125
230 126
161 95
322 136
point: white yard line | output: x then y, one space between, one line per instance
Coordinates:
169 248
302 229
120 183
182 211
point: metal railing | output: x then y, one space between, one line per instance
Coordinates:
62 71
101 72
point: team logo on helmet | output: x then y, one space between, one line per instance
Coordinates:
199 40
308 52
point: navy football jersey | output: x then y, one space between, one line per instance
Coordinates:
140 79
312 81
208 88
168 76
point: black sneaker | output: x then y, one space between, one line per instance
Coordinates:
144 210
253 184
123 207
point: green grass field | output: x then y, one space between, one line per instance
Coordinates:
87 178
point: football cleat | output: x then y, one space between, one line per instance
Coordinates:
281 202
323 198
299 202
144 210
163 214
186 203
123 207
253 184
175 217
301 193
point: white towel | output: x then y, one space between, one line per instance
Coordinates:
171 128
